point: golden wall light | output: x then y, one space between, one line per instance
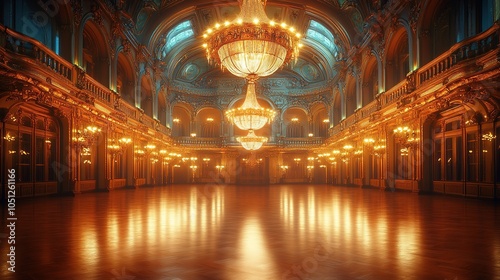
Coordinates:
405 136
369 141
87 136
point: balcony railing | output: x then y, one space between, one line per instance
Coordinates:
468 49
199 142
27 47
460 53
97 90
31 48
308 142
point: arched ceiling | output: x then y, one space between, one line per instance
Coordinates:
172 31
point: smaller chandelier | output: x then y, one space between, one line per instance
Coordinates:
251 142
250 116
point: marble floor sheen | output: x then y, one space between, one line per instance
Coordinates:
254 232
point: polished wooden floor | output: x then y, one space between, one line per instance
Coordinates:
254 232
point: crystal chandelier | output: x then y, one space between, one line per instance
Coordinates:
251 44
250 115
251 142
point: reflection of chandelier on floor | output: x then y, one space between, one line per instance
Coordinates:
250 47
251 141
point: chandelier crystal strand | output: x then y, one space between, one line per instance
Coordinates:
250 116
251 142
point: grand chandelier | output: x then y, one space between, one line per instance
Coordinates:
250 115
251 142
251 44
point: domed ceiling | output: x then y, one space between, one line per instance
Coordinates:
173 29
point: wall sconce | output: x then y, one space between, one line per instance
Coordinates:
405 136
125 141
348 147
368 144
166 160
120 147
150 147
9 137
87 136
379 149
488 137
140 152
219 167
346 154
374 147
369 141
193 134
295 119
193 168
297 160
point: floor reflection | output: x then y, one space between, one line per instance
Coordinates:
255 232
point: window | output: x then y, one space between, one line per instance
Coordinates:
403 165
210 129
177 35
119 167
88 163
56 43
295 130
322 39
437 161
472 162
31 143
486 172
